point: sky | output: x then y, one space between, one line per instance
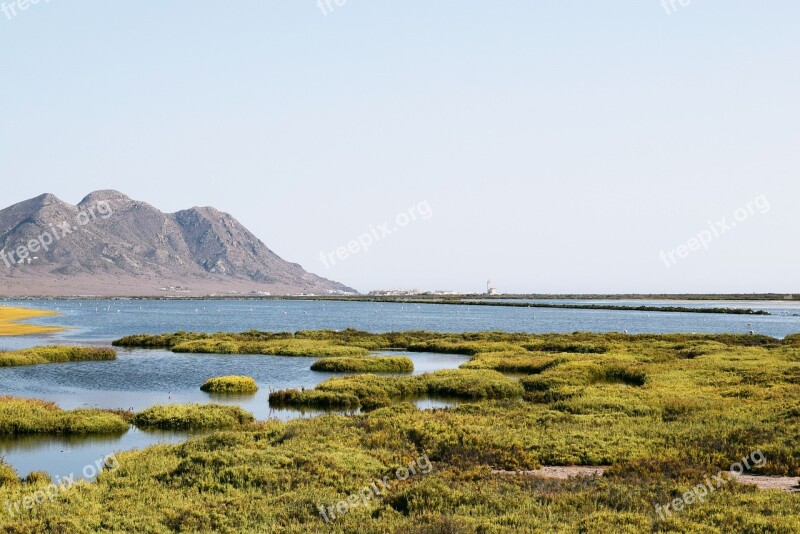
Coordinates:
558 147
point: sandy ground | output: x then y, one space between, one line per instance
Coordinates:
789 484
559 472
770 483
9 325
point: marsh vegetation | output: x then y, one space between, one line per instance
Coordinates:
373 364
55 354
31 416
664 411
192 417
230 384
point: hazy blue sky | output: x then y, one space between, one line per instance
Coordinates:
561 146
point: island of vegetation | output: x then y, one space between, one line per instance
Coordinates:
250 343
230 384
375 391
30 416
371 364
192 417
55 354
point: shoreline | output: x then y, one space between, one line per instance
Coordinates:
508 301
11 322
690 297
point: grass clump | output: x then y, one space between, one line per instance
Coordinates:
55 354
513 362
8 476
192 417
298 347
31 416
314 399
372 364
230 384
566 346
250 343
374 391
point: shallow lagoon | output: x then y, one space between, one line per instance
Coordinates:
139 379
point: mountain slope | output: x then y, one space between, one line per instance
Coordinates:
111 245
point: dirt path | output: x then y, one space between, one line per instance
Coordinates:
789 484
559 472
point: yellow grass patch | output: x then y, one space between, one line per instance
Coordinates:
10 324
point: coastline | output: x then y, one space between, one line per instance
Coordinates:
11 321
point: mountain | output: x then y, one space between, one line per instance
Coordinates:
111 245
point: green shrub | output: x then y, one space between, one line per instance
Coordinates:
313 399
370 364
230 384
36 478
513 362
294 347
561 346
55 354
8 476
374 391
31 416
631 376
192 416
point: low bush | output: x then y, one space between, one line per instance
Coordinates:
192 416
375 391
55 354
561 346
31 416
314 399
369 364
294 347
230 384
513 362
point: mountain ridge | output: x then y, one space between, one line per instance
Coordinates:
111 245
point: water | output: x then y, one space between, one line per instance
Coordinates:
105 320
139 379
142 378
